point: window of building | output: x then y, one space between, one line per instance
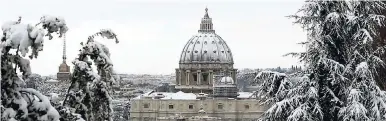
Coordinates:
246 107
146 105
220 106
190 106
171 106
194 77
205 77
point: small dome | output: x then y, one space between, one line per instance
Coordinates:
227 80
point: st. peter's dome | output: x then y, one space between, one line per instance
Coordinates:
206 46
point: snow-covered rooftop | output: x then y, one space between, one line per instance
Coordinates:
245 95
52 80
184 96
169 95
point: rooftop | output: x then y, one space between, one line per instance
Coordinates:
185 96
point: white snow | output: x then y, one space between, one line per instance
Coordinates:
42 104
54 24
9 113
185 96
168 95
54 97
18 36
52 81
300 113
362 69
355 95
246 95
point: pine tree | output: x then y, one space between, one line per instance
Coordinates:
19 103
89 91
341 60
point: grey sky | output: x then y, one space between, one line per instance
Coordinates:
153 33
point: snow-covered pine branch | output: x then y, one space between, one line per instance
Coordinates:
18 103
89 91
341 61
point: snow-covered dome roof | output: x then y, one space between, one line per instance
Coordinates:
226 80
206 46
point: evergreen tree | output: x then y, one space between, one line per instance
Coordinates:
19 103
89 91
341 60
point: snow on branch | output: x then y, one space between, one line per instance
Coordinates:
43 104
363 35
22 36
269 75
362 70
95 99
300 113
378 19
54 24
26 104
342 60
85 67
107 33
354 112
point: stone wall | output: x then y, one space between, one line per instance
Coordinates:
233 109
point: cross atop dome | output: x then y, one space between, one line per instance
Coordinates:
206 25
206 13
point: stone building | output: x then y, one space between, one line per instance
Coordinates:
162 105
204 55
205 84
64 70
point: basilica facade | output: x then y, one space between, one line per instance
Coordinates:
206 86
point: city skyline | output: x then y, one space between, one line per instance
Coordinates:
152 35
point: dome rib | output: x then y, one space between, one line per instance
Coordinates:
192 59
183 54
229 50
223 49
202 46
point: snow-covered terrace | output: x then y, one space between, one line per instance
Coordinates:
184 96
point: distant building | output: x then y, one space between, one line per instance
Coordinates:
205 83
64 70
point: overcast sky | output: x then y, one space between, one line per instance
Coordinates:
152 33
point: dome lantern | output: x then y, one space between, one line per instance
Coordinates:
206 23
